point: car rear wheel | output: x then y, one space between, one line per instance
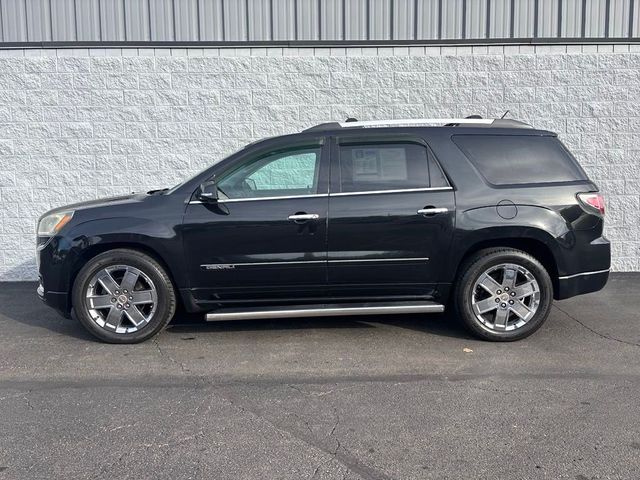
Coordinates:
123 296
503 294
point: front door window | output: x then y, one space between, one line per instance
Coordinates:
276 174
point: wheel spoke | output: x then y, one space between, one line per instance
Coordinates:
521 310
484 306
502 315
509 277
114 318
135 316
142 297
108 283
100 301
526 289
116 306
129 281
489 284
513 289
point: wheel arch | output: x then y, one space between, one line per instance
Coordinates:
96 249
531 245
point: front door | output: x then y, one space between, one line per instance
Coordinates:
391 213
265 238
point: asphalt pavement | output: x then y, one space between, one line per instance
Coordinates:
388 397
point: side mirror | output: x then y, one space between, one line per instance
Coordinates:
208 191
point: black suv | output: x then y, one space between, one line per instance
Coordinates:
490 217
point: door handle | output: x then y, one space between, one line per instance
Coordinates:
432 210
303 217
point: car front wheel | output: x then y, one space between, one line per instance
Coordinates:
123 296
503 294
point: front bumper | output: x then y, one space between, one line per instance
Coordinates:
581 283
57 300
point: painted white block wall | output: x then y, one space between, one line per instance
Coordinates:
82 124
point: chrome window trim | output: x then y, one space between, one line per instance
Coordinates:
402 190
318 195
254 199
279 197
596 272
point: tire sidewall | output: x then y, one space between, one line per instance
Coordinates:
165 293
485 262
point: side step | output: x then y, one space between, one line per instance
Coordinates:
324 310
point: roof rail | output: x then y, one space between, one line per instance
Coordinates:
448 122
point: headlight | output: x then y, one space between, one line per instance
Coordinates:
53 223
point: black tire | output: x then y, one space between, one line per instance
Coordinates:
483 261
164 306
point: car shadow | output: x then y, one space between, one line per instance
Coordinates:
19 303
433 324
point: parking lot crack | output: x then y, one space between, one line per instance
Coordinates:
328 444
333 430
329 460
595 332
163 354
28 400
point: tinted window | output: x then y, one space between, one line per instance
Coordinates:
289 173
383 167
518 159
435 173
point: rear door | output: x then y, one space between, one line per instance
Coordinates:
391 218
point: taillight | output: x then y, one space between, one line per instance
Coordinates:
593 201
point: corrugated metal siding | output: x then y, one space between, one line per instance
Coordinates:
210 21
548 15
63 22
451 19
89 19
186 20
476 18
523 18
38 20
136 20
571 20
265 20
619 18
428 19
379 20
356 25
500 18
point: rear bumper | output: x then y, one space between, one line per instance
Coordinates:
581 283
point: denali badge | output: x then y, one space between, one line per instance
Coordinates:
218 266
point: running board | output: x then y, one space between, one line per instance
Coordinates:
324 310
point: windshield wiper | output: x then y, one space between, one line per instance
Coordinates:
157 192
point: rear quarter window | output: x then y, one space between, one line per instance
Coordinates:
520 159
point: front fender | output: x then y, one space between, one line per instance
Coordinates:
67 254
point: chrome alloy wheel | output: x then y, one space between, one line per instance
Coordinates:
505 297
121 299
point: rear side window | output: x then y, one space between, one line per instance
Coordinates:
393 166
520 159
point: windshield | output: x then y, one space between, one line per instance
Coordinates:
174 188
192 177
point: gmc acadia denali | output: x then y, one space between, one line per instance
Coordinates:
492 218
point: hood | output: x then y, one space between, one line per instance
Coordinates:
102 202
